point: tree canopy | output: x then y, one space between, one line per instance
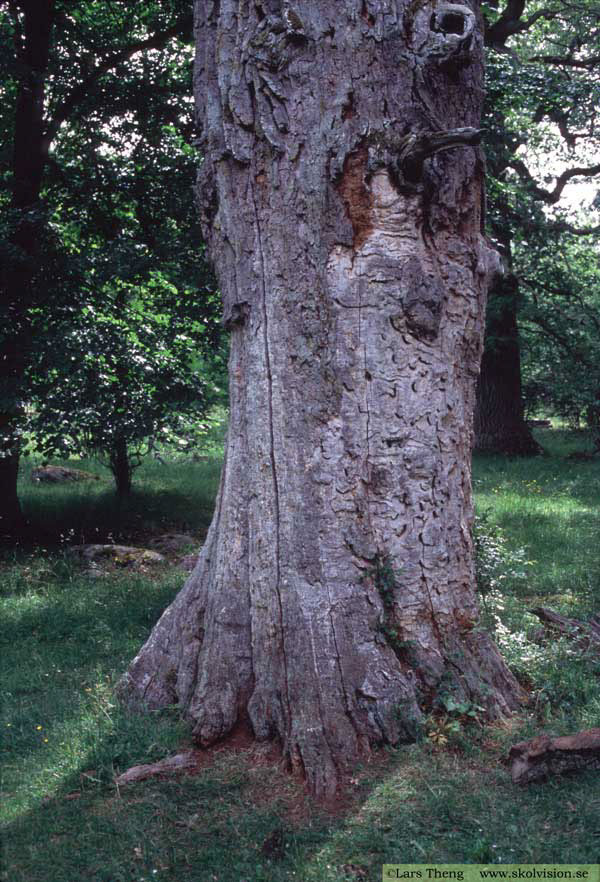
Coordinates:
542 137
109 302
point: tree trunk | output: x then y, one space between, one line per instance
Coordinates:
12 521
120 466
500 425
334 597
25 235
592 418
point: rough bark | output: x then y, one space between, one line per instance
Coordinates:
500 425
334 597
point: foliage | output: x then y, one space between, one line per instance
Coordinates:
124 311
454 723
385 578
541 124
498 567
560 323
542 119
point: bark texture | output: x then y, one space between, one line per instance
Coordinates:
334 597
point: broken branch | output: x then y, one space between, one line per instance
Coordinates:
544 755
416 148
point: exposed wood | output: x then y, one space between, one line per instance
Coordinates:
416 148
585 634
172 765
544 755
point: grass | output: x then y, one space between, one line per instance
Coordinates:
550 506
176 496
67 638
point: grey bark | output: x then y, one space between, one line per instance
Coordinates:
334 597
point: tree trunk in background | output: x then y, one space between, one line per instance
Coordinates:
334 597
500 425
25 235
120 466
12 521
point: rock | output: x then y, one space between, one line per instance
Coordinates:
123 555
94 571
171 543
60 475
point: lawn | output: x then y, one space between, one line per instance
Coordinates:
67 637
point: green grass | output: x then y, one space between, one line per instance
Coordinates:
66 638
179 496
549 505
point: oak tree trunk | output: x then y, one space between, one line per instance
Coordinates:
500 425
334 598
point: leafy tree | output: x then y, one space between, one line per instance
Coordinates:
127 373
97 197
560 325
543 95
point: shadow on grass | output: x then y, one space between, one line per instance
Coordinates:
179 496
424 807
60 640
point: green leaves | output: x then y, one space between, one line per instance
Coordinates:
124 310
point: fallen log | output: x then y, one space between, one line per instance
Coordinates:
544 755
586 634
181 762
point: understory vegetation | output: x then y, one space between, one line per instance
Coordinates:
68 634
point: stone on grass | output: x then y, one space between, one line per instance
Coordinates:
60 475
123 555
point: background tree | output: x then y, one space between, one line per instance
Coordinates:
128 373
23 228
333 604
560 326
90 200
543 94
